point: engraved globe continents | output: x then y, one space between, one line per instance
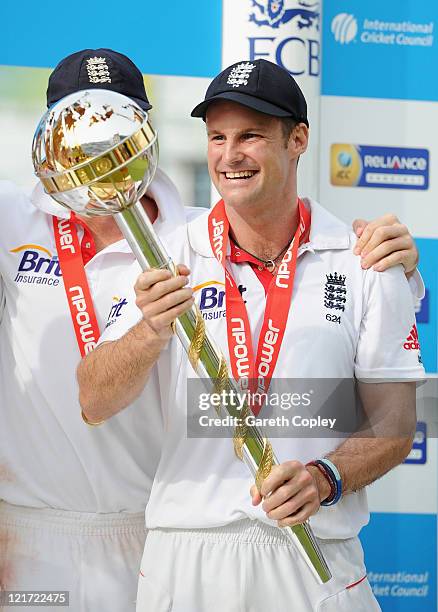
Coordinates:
95 152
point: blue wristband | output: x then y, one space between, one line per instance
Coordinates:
336 477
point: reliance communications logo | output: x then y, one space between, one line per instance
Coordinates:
383 167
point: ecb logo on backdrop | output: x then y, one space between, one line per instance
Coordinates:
296 47
274 13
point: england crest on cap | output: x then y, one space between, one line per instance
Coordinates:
97 70
239 74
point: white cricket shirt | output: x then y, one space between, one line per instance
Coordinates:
199 482
48 455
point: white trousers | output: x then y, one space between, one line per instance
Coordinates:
96 557
247 567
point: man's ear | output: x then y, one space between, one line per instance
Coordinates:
298 140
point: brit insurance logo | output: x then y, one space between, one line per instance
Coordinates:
296 47
115 310
37 265
211 298
346 28
380 167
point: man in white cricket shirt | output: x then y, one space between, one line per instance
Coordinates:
73 497
212 545
72 515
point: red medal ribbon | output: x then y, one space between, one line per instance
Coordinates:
76 284
278 300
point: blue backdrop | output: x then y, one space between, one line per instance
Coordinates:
175 38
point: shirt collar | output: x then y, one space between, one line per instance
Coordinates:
171 212
326 232
41 200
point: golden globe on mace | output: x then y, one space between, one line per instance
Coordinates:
95 152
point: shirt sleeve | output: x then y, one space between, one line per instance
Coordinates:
8 193
123 313
417 286
388 347
123 316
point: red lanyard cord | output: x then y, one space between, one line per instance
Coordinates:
256 374
76 285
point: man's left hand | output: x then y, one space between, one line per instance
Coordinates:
291 493
384 243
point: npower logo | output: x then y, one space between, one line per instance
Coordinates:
344 28
218 238
283 275
37 265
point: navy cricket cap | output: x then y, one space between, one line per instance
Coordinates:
97 68
260 85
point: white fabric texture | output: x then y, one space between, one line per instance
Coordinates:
49 458
43 440
378 317
247 567
93 556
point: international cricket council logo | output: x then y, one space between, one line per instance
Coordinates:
344 28
274 13
345 165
